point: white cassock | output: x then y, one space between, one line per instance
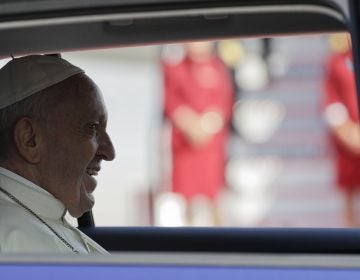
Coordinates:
22 232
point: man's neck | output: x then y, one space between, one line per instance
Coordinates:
25 172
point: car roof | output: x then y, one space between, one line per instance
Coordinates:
61 25
24 6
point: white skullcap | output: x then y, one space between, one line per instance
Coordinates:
22 77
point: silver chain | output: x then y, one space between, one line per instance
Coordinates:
40 219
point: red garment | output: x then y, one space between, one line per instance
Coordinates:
200 86
340 87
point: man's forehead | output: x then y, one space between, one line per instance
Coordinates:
81 98
25 76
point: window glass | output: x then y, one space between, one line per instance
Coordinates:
279 167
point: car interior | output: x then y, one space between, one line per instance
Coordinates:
64 27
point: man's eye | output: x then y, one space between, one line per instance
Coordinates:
94 127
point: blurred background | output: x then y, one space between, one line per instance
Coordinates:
279 168
279 171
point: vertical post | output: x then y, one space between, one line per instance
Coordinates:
354 25
86 220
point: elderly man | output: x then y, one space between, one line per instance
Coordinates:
52 141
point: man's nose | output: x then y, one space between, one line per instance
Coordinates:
106 148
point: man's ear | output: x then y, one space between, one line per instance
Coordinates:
27 139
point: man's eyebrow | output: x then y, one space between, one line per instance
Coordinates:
102 119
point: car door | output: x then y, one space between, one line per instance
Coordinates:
94 24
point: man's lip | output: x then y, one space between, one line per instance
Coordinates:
93 170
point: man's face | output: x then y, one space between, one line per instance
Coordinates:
76 142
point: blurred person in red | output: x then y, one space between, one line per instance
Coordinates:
198 102
341 113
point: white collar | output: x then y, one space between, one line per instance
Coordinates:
36 198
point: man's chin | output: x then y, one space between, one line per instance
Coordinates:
86 204
75 214
91 200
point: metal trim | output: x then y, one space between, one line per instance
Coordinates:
174 13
